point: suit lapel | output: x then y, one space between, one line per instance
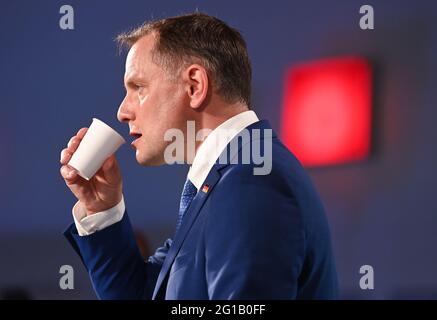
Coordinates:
189 218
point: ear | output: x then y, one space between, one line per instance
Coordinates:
197 82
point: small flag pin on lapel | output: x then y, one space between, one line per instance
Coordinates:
205 188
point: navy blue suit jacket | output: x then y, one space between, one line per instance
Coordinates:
249 237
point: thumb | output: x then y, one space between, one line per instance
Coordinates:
108 164
110 170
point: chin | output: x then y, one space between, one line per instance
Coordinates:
149 161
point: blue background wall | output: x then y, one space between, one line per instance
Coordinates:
382 212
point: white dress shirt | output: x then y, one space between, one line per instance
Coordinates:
206 155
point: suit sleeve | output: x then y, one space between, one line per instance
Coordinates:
255 240
114 263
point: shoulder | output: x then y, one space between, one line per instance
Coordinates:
285 192
275 169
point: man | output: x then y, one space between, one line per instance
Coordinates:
240 235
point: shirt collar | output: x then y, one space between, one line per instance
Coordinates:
215 143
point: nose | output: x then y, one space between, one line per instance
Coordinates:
124 114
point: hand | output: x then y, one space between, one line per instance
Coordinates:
103 191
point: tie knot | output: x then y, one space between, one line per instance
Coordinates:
189 190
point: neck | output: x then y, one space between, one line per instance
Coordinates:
214 115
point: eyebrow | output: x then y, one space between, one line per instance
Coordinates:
131 81
127 84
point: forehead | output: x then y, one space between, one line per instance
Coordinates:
139 58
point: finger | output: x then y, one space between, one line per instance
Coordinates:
81 133
65 156
73 144
69 174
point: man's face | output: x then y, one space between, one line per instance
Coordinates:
153 103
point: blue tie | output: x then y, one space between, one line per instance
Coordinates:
187 196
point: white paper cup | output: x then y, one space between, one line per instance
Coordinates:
99 142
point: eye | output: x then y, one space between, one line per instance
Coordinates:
139 89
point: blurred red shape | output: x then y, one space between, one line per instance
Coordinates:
327 109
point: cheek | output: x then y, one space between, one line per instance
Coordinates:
162 110
143 96
178 102
145 110
152 117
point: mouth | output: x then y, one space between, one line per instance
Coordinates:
136 137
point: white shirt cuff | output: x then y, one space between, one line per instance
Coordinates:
87 225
